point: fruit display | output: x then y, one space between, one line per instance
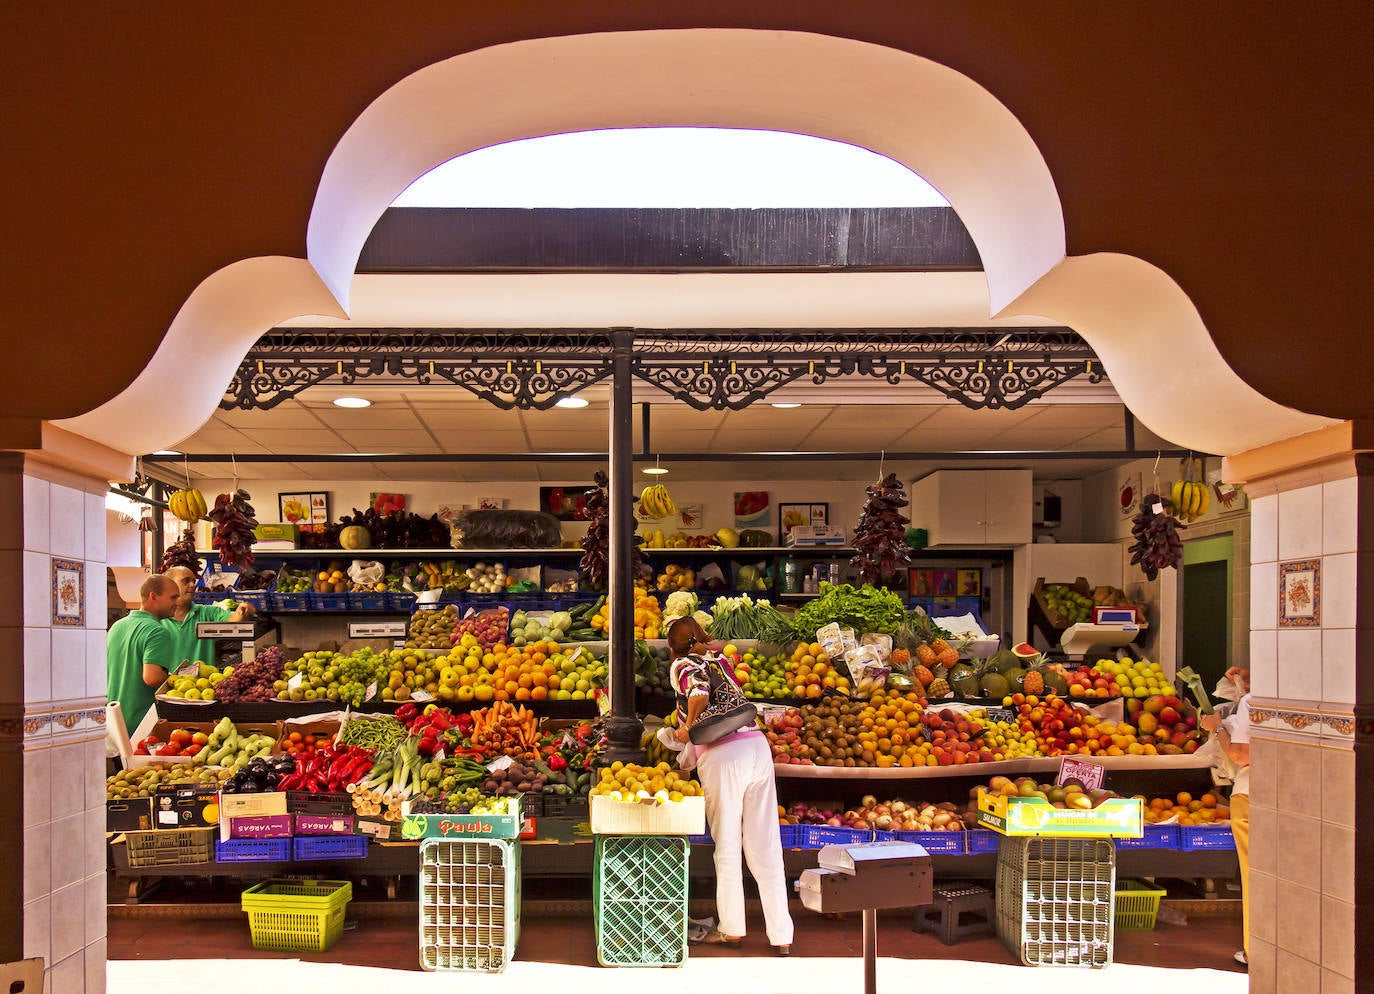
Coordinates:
880 551
332 578
305 743
391 529
432 629
295 580
506 729
1190 496
1169 720
883 816
676 577
179 742
195 683
562 626
654 502
652 666
1067 605
260 775
448 576
333 676
234 520
864 609
1157 543
254 680
632 783
1089 681
1184 809
1070 795
487 627
226 747
648 616
594 566
187 505
182 553
487 578
142 781
678 540
1135 677
1059 728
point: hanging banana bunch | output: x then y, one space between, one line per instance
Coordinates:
187 505
1190 494
655 504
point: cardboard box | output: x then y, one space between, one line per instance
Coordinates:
129 814
257 827
248 806
322 730
186 806
425 826
815 535
272 532
323 824
1114 818
163 728
378 828
684 817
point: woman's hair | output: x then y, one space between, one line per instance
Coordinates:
683 632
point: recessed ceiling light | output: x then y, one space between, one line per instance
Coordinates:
786 406
352 402
654 470
571 403
166 452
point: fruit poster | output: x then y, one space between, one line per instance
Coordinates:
691 516
387 503
752 509
304 509
1130 494
567 503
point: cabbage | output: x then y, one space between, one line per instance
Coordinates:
561 620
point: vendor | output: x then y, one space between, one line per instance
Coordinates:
736 769
181 627
138 650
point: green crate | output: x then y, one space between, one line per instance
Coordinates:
171 846
1056 899
296 916
1137 904
639 894
469 903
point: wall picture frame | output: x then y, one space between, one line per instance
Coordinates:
1300 594
307 508
807 515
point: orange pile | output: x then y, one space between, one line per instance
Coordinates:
1205 810
809 672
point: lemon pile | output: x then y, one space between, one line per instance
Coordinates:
631 783
1007 741
1136 677
198 684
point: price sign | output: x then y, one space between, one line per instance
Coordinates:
371 691
421 696
224 630
295 681
1089 776
1001 714
377 630
499 763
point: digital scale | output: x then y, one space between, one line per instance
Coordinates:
1111 627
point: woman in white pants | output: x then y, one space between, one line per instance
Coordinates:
736 770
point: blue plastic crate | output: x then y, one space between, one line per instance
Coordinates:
329 602
400 600
935 843
252 850
700 840
981 840
369 600
329 847
1193 837
1153 837
262 600
816 836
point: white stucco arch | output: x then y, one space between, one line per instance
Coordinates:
931 118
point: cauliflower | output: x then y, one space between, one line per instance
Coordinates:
680 604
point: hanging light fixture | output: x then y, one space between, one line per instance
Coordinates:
655 469
571 403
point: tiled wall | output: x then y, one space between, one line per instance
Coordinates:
52 732
1303 760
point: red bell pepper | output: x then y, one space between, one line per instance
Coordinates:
557 762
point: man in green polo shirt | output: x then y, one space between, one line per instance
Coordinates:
181 627
138 650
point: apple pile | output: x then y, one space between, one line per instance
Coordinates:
1069 796
1088 682
784 739
953 738
1167 721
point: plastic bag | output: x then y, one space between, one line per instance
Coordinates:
883 643
867 670
365 573
836 641
509 530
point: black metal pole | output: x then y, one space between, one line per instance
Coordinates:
870 950
644 430
623 727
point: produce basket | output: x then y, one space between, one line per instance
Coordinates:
400 600
1137 904
262 600
684 817
329 847
296 916
1055 900
469 903
369 600
1194 837
288 601
1153 837
332 805
328 602
935 843
171 847
639 893
981 840
816 836
252 850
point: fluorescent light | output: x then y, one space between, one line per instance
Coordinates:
571 403
654 470
786 406
166 452
122 504
352 402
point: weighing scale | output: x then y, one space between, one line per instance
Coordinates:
1110 627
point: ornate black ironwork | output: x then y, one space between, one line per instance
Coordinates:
707 369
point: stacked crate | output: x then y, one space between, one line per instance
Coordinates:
639 892
469 903
1055 900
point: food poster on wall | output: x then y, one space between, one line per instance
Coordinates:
384 503
969 583
943 583
304 509
691 516
752 509
1129 495
566 503
922 583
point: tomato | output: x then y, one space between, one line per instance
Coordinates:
181 736
170 749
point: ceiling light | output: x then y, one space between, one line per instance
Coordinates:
166 452
571 403
654 470
786 406
352 402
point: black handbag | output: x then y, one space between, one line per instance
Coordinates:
727 710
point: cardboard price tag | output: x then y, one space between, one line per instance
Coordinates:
1001 714
1087 775
371 691
421 696
499 763
295 681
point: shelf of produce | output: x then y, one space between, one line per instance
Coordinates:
279 711
391 553
1010 767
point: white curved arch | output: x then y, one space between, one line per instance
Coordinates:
929 117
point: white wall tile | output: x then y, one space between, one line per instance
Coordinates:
67 976
67 522
36 499
95 663
68 664
37 664
37 787
1338 666
1264 595
68 780
1300 523
37 862
95 967
68 865
38 929
96 923
1300 664
1264 663
97 597
95 528
1264 529
95 829
37 590
68 922
1339 596
1340 516
94 770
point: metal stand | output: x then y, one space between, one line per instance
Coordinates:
870 950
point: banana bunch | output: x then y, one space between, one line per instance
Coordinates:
1190 494
655 502
187 505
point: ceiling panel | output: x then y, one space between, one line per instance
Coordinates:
392 418
1032 437
588 439
767 416
877 437
864 415
1088 416
759 440
953 415
288 414
479 440
678 415
665 440
301 440
370 440
1113 439
485 418
924 439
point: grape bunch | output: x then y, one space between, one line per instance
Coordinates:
458 802
254 681
1157 543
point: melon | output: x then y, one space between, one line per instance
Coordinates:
1016 677
355 537
1026 651
1002 660
995 685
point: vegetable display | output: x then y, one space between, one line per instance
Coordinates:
880 549
234 520
867 609
1157 544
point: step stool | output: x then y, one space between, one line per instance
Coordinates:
959 911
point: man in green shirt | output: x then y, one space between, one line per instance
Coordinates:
138 651
181 627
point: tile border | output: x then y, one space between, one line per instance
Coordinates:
1294 568
1311 724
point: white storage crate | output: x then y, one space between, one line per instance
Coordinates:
469 903
684 817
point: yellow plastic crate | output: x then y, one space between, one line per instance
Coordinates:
1137 904
296 916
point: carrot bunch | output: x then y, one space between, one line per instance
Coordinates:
506 729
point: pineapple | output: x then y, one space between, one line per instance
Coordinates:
923 675
944 652
1034 683
925 655
937 688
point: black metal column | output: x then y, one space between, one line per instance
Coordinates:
623 727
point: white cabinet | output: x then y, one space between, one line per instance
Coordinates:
973 507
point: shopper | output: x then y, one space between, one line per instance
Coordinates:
736 769
181 627
138 650
1233 735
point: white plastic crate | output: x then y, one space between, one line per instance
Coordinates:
684 817
469 903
